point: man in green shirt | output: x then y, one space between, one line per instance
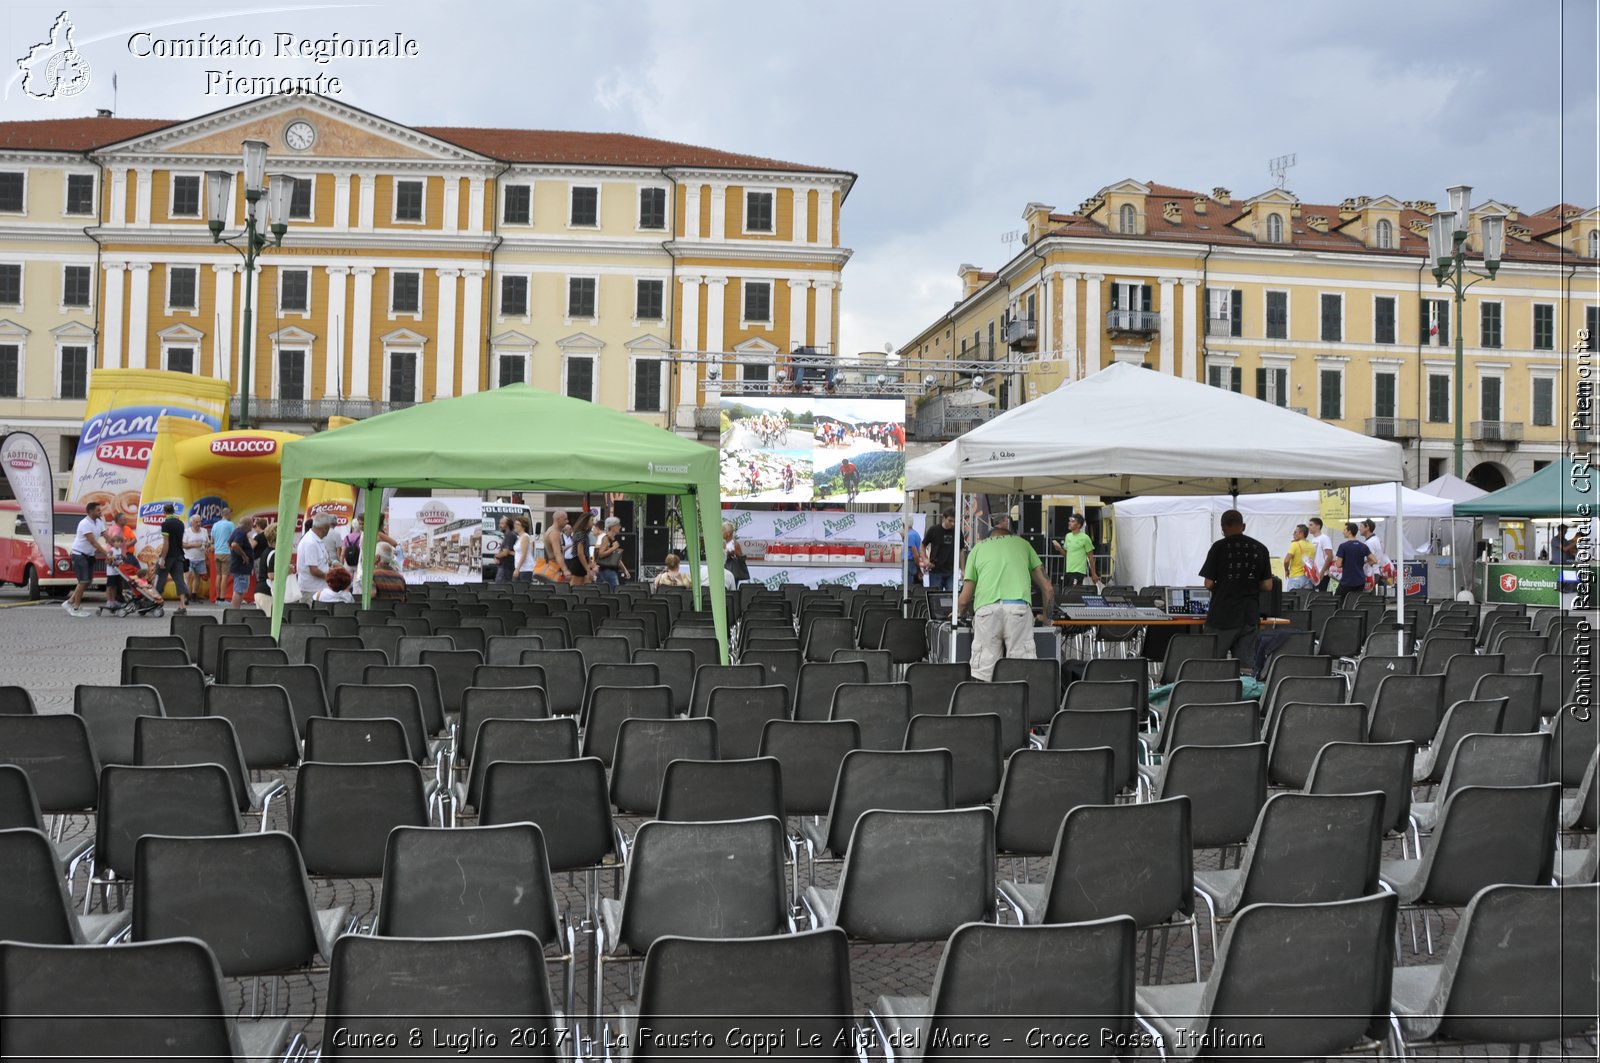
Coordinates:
1079 549
1001 573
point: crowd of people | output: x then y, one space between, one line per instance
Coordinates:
772 429
890 435
1312 561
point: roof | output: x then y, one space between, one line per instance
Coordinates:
506 145
1547 493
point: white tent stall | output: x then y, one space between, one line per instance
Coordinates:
1163 539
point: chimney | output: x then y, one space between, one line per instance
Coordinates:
1351 208
1294 210
1425 206
1037 215
971 279
1222 195
1199 204
1318 222
1171 211
102 113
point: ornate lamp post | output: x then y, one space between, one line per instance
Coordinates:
1447 238
266 211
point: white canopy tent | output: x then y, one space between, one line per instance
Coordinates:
1162 539
1452 487
1128 431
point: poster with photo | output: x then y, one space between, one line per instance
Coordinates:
858 451
766 449
439 538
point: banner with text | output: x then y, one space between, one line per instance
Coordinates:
439 538
28 472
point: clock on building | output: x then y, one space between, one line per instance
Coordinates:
300 135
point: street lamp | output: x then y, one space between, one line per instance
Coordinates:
266 210
1447 238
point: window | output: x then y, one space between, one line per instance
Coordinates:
1591 323
1383 237
74 372
1225 312
1489 397
1384 400
1128 220
10 370
80 193
1130 297
1544 326
580 377
181 284
649 300
11 193
75 285
1435 468
1277 315
652 208
585 205
292 373
514 296
756 372
518 208
1594 243
1332 318
1330 406
1435 322
300 201
1489 331
1226 377
758 212
513 369
294 290
1544 401
1438 398
1274 228
11 284
69 453
758 301
581 296
405 292
403 377
1383 325
180 359
408 200
185 195
1272 385
647 385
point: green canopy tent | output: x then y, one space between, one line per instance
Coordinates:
1550 492
514 438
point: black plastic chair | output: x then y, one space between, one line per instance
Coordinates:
169 741
237 661
1040 787
1407 708
58 757
908 780
16 701
1460 720
1488 760
343 814
1226 785
356 741
645 747
1522 699
455 670
183 801
301 682
1043 677
1299 733
933 685
974 741
151 656
1116 729
675 669
819 680
182 687
709 677
1186 647
741 713
706 790
810 752
110 713
610 706
35 906
1359 767
882 709
1009 701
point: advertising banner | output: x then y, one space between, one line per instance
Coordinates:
122 412
1416 579
439 538
1333 506
1533 584
775 577
803 449
846 527
28 472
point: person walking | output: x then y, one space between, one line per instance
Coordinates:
505 555
221 554
1001 572
196 555
939 546
551 564
1324 560
575 550
608 555
88 543
241 555
1079 551
169 563
1350 562
315 556
1378 567
1298 559
526 555
1236 570
915 563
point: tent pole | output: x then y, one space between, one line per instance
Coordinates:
711 529
371 517
907 565
691 541
1400 565
288 508
955 562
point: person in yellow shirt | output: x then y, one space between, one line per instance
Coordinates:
1297 561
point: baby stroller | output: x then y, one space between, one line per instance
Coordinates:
128 593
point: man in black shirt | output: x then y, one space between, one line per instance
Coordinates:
1237 570
170 564
940 546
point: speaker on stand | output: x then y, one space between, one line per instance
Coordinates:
654 535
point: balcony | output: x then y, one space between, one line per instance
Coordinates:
1393 427
940 418
1219 327
1022 332
708 418
314 410
1134 322
1501 433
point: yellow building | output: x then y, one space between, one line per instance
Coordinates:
419 262
1328 309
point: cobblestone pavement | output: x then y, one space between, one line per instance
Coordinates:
49 652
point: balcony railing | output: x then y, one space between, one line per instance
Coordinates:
1393 427
1301 410
1022 332
1219 326
1507 432
708 418
937 422
313 410
1140 321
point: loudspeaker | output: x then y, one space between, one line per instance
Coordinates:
1058 521
653 534
1032 515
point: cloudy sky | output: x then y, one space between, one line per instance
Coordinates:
953 114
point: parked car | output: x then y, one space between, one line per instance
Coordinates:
20 563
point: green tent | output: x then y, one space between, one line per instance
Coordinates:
1550 492
514 438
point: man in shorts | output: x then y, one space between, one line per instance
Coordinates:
88 543
169 564
241 563
221 533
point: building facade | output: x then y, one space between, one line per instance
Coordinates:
419 263
1328 309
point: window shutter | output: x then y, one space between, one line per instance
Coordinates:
1144 297
1236 308
1237 383
1261 383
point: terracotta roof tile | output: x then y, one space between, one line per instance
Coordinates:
74 134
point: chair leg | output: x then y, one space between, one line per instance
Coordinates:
1149 951
1161 961
1194 946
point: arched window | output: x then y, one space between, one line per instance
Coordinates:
1129 219
1385 234
1275 228
1594 243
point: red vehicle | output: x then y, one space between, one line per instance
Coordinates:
20 563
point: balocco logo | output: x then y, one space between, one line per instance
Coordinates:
244 446
434 515
20 462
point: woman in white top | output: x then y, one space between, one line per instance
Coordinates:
526 557
1377 560
196 548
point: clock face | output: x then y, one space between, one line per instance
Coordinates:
300 135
